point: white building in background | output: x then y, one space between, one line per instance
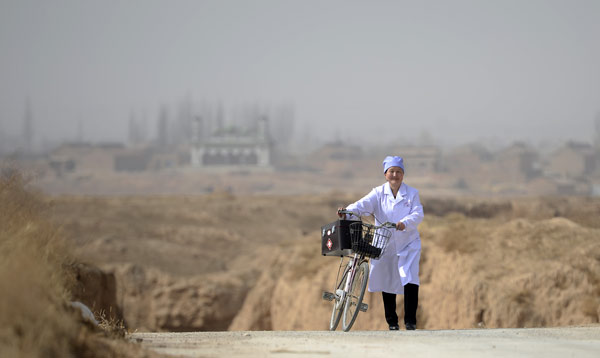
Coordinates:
231 147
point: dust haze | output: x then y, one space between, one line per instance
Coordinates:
485 98
358 72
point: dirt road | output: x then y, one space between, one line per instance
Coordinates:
533 342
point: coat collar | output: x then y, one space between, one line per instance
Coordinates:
401 192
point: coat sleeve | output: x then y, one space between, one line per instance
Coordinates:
415 217
366 205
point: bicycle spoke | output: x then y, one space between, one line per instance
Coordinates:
338 307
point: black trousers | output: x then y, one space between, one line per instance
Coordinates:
411 301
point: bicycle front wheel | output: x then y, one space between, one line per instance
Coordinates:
338 303
355 296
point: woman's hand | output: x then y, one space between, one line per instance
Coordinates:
400 226
341 216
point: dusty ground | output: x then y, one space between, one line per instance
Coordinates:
533 342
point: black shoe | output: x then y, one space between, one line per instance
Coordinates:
411 326
394 328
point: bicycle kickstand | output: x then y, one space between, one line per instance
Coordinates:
328 296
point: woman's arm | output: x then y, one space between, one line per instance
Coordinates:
366 205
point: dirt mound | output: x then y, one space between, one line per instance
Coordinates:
153 300
36 273
475 273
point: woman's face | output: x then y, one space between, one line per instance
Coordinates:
394 176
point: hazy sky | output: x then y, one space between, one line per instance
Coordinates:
377 69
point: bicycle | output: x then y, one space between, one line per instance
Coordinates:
367 241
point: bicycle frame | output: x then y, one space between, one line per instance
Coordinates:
348 301
353 263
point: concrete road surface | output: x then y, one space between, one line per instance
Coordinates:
526 342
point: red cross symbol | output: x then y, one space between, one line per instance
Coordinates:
329 244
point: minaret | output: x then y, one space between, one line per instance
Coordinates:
28 127
197 150
263 151
196 130
263 128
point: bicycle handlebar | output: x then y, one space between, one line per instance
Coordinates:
344 211
389 225
386 224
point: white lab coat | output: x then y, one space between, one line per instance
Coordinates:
399 263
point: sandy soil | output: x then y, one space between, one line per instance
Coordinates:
532 342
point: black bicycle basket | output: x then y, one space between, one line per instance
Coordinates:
369 240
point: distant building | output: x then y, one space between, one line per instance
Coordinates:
132 160
420 159
232 147
79 158
337 151
573 160
466 159
518 163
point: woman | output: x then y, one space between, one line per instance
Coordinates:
397 270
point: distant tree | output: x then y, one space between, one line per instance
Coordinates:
135 132
181 128
461 184
597 132
220 118
80 130
425 138
2 140
282 125
162 125
143 128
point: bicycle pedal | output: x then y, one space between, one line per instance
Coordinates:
363 307
328 296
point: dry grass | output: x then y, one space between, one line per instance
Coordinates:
33 281
35 319
112 326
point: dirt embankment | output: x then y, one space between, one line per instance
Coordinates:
39 280
222 261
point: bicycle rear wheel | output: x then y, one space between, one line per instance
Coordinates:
338 302
355 296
